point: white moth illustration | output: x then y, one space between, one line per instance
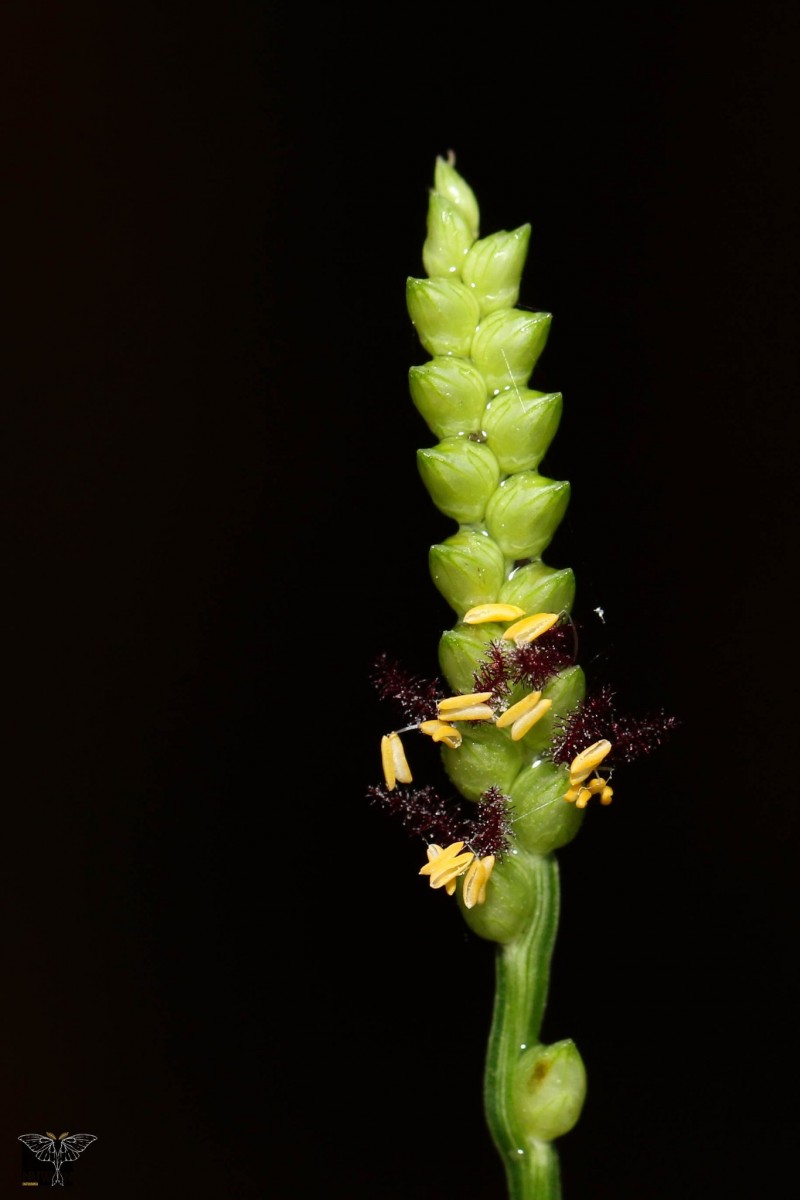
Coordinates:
57 1150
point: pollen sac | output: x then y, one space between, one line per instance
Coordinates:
476 877
467 568
542 822
477 712
460 476
584 763
539 588
517 710
519 427
393 759
530 627
493 268
448 239
470 706
506 346
449 394
444 313
448 182
482 613
549 1090
564 691
578 795
526 721
524 512
444 866
440 731
581 793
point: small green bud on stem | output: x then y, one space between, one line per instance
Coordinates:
549 1089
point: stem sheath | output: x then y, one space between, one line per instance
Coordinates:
522 977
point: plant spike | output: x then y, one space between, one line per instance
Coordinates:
520 740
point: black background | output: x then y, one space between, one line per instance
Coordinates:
217 957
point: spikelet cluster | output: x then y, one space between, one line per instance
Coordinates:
517 734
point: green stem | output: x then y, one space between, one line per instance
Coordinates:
522 976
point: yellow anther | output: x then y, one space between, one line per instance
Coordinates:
476 712
445 865
492 612
523 715
579 796
393 758
584 763
518 710
475 880
440 731
452 702
530 628
470 707
526 722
